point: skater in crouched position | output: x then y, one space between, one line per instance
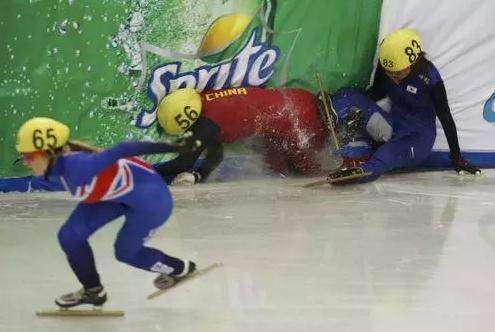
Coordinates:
403 137
286 119
110 183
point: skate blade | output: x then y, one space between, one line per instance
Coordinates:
348 178
335 181
79 313
193 275
315 184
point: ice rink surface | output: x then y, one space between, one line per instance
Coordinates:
409 252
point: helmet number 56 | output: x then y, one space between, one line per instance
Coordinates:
186 118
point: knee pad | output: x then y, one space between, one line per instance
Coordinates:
378 128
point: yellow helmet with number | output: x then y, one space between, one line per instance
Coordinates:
400 50
41 134
179 110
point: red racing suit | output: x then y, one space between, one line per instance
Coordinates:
288 119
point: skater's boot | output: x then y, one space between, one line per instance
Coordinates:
351 126
164 281
346 175
331 116
95 296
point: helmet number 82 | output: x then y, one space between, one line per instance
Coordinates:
186 118
40 141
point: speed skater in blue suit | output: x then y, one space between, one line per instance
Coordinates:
109 184
404 136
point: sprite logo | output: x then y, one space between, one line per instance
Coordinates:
252 65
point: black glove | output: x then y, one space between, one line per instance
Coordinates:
462 166
187 143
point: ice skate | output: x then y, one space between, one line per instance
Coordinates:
341 177
95 297
164 282
350 126
346 175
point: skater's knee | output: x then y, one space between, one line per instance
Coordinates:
379 128
124 255
343 100
67 237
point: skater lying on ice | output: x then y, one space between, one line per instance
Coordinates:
110 184
404 136
286 119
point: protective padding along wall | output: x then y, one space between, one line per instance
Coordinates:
459 38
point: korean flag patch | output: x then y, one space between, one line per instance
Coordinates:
412 89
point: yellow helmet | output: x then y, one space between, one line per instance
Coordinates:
179 110
41 134
400 49
223 32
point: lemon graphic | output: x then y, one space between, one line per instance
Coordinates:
224 37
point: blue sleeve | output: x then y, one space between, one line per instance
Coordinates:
15 184
434 75
80 168
30 183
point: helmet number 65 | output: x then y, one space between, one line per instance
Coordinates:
39 139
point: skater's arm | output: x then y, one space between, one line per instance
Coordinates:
214 156
377 92
442 109
205 131
439 98
85 166
31 183
183 163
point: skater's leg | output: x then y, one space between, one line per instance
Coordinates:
377 123
74 234
407 151
139 226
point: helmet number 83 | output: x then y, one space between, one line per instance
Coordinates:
186 118
40 141
410 51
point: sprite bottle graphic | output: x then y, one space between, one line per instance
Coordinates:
188 31
233 52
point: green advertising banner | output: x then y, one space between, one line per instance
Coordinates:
102 66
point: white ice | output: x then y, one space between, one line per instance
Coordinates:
409 252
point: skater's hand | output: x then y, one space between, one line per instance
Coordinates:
462 166
187 143
186 178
